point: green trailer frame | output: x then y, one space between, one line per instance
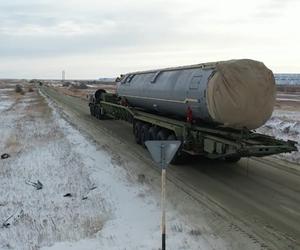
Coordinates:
212 142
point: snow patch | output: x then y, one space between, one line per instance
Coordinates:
103 210
284 125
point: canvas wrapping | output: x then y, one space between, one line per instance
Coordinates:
241 94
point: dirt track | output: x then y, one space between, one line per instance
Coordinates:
253 204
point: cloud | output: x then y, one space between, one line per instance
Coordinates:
273 8
135 33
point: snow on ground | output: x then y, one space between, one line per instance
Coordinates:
284 125
6 102
103 209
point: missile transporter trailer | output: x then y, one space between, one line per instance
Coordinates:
211 108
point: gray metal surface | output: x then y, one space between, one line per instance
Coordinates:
162 152
169 91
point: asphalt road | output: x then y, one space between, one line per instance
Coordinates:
261 197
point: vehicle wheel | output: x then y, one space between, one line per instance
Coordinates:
133 126
96 111
179 157
145 134
171 137
162 135
137 132
153 133
99 115
232 159
92 110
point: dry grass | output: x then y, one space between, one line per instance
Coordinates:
73 92
92 226
287 105
81 93
12 145
19 89
30 89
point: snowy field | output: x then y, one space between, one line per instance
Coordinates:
284 125
87 200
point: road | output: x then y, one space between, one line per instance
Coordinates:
255 200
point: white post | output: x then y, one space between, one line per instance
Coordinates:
162 153
163 197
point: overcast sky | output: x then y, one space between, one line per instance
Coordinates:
94 38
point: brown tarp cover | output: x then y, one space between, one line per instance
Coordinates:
241 94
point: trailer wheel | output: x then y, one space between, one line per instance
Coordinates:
133 126
92 110
153 133
179 156
162 135
98 114
232 159
171 137
144 134
96 111
137 132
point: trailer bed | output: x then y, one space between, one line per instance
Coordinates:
215 142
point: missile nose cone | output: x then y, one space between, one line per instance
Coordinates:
241 93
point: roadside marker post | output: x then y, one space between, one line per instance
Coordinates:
162 153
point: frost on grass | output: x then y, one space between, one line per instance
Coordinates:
40 151
285 125
103 211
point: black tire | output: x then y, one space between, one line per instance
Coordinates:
171 137
153 133
96 111
137 132
162 135
144 134
92 110
232 159
133 127
179 157
5 156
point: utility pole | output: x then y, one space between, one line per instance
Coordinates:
63 74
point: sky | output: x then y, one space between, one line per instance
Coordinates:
94 38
